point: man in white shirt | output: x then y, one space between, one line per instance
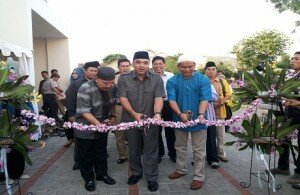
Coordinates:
158 65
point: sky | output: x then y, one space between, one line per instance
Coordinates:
97 28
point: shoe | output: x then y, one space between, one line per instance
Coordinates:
223 158
90 186
294 179
196 185
297 186
175 175
133 179
280 171
121 160
24 176
106 179
152 186
192 163
75 166
173 159
159 159
214 165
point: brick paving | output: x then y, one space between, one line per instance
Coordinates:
51 173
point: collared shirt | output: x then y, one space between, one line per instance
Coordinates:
48 86
166 76
140 94
188 93
91 99
220 110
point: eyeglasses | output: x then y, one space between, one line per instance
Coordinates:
74 73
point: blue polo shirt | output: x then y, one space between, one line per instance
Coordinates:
188 93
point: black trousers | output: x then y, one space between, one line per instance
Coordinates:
284 158
167 115
50 106
92 155
211 145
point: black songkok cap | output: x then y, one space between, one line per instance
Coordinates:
94 64
106 73
210 64
141 55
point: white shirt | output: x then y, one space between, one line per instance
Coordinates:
166 76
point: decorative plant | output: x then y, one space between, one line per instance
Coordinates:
274 128
15 132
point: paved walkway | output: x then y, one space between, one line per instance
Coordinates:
51 173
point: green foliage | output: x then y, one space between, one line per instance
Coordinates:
16 94
171 63
112 58
273 127
284 61
265 46
283 5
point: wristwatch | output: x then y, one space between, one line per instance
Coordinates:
158 113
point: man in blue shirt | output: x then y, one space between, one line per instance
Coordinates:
188 95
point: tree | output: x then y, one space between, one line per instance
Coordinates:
284 62
171 63
283 5
112 57
265 46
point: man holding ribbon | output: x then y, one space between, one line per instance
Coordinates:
188 95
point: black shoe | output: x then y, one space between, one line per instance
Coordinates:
152 186
121 160
106 179
133 179
173 159
90 186
192 163
75 166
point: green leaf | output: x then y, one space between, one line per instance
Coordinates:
250 79
31 129
20 91
16 84
248 127
4 124
229 143
3 75
268 76
255 122
244 147
283 132
260 80
281 78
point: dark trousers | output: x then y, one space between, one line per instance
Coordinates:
50 106
167 115
284 158
146 146
211 145
69 133
92 155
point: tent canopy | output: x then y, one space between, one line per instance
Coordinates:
14 51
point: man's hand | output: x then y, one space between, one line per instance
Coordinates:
137 116
290 102
157 116
71 119
200 118
184 117
112 121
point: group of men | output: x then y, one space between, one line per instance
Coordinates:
142 93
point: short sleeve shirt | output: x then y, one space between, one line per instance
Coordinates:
48 86
140 94
188 93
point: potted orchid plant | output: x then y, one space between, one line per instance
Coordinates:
274 128
15 132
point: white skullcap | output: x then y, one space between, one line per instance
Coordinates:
185 58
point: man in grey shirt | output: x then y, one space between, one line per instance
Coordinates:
141 93
95 103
